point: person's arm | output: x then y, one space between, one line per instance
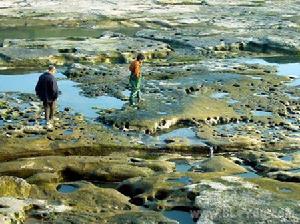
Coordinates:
38 87
54 88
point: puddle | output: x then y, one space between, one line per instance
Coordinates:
285 190
254 77
284 68
162 113
261 94
250 174
219 95
180 216
126 93
295 171
70 96
67 188
182 166
261 113
182 180
187 133
232 101
289 157
292 97
68 132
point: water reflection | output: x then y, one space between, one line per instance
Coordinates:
70 96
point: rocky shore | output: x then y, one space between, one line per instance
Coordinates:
217 130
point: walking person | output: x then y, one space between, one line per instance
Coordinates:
46 89
136 78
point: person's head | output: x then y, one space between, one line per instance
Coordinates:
140 57
52 69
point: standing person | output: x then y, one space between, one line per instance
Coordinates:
46 89
136 78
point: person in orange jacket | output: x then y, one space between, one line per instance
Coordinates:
136 78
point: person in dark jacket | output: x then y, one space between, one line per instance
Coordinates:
46 89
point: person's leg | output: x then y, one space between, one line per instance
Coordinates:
52 110
138 87
133 94
47 110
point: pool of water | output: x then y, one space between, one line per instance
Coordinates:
261 113
285 190
182 166
68 132
289 157
180 216
250 174
261 94
284 67
295 171
70 96
67 188
187 133
219 95
126 93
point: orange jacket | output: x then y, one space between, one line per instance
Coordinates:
135 68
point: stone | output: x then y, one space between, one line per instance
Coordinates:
14 187
223 201
285 176
221 164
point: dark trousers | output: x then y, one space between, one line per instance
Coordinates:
135 84
49 108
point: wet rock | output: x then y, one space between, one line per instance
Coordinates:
285 176
221 164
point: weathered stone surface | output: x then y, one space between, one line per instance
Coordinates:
14 187
107 48
285 176
221 164
222 202
14 210
107 168
269 161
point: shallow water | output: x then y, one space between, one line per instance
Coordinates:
182 166
285 190
250 174
70 96
181 216
219 95
285 68
67 188
187 133
261 113
182 180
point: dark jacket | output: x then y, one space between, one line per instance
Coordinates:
46 88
